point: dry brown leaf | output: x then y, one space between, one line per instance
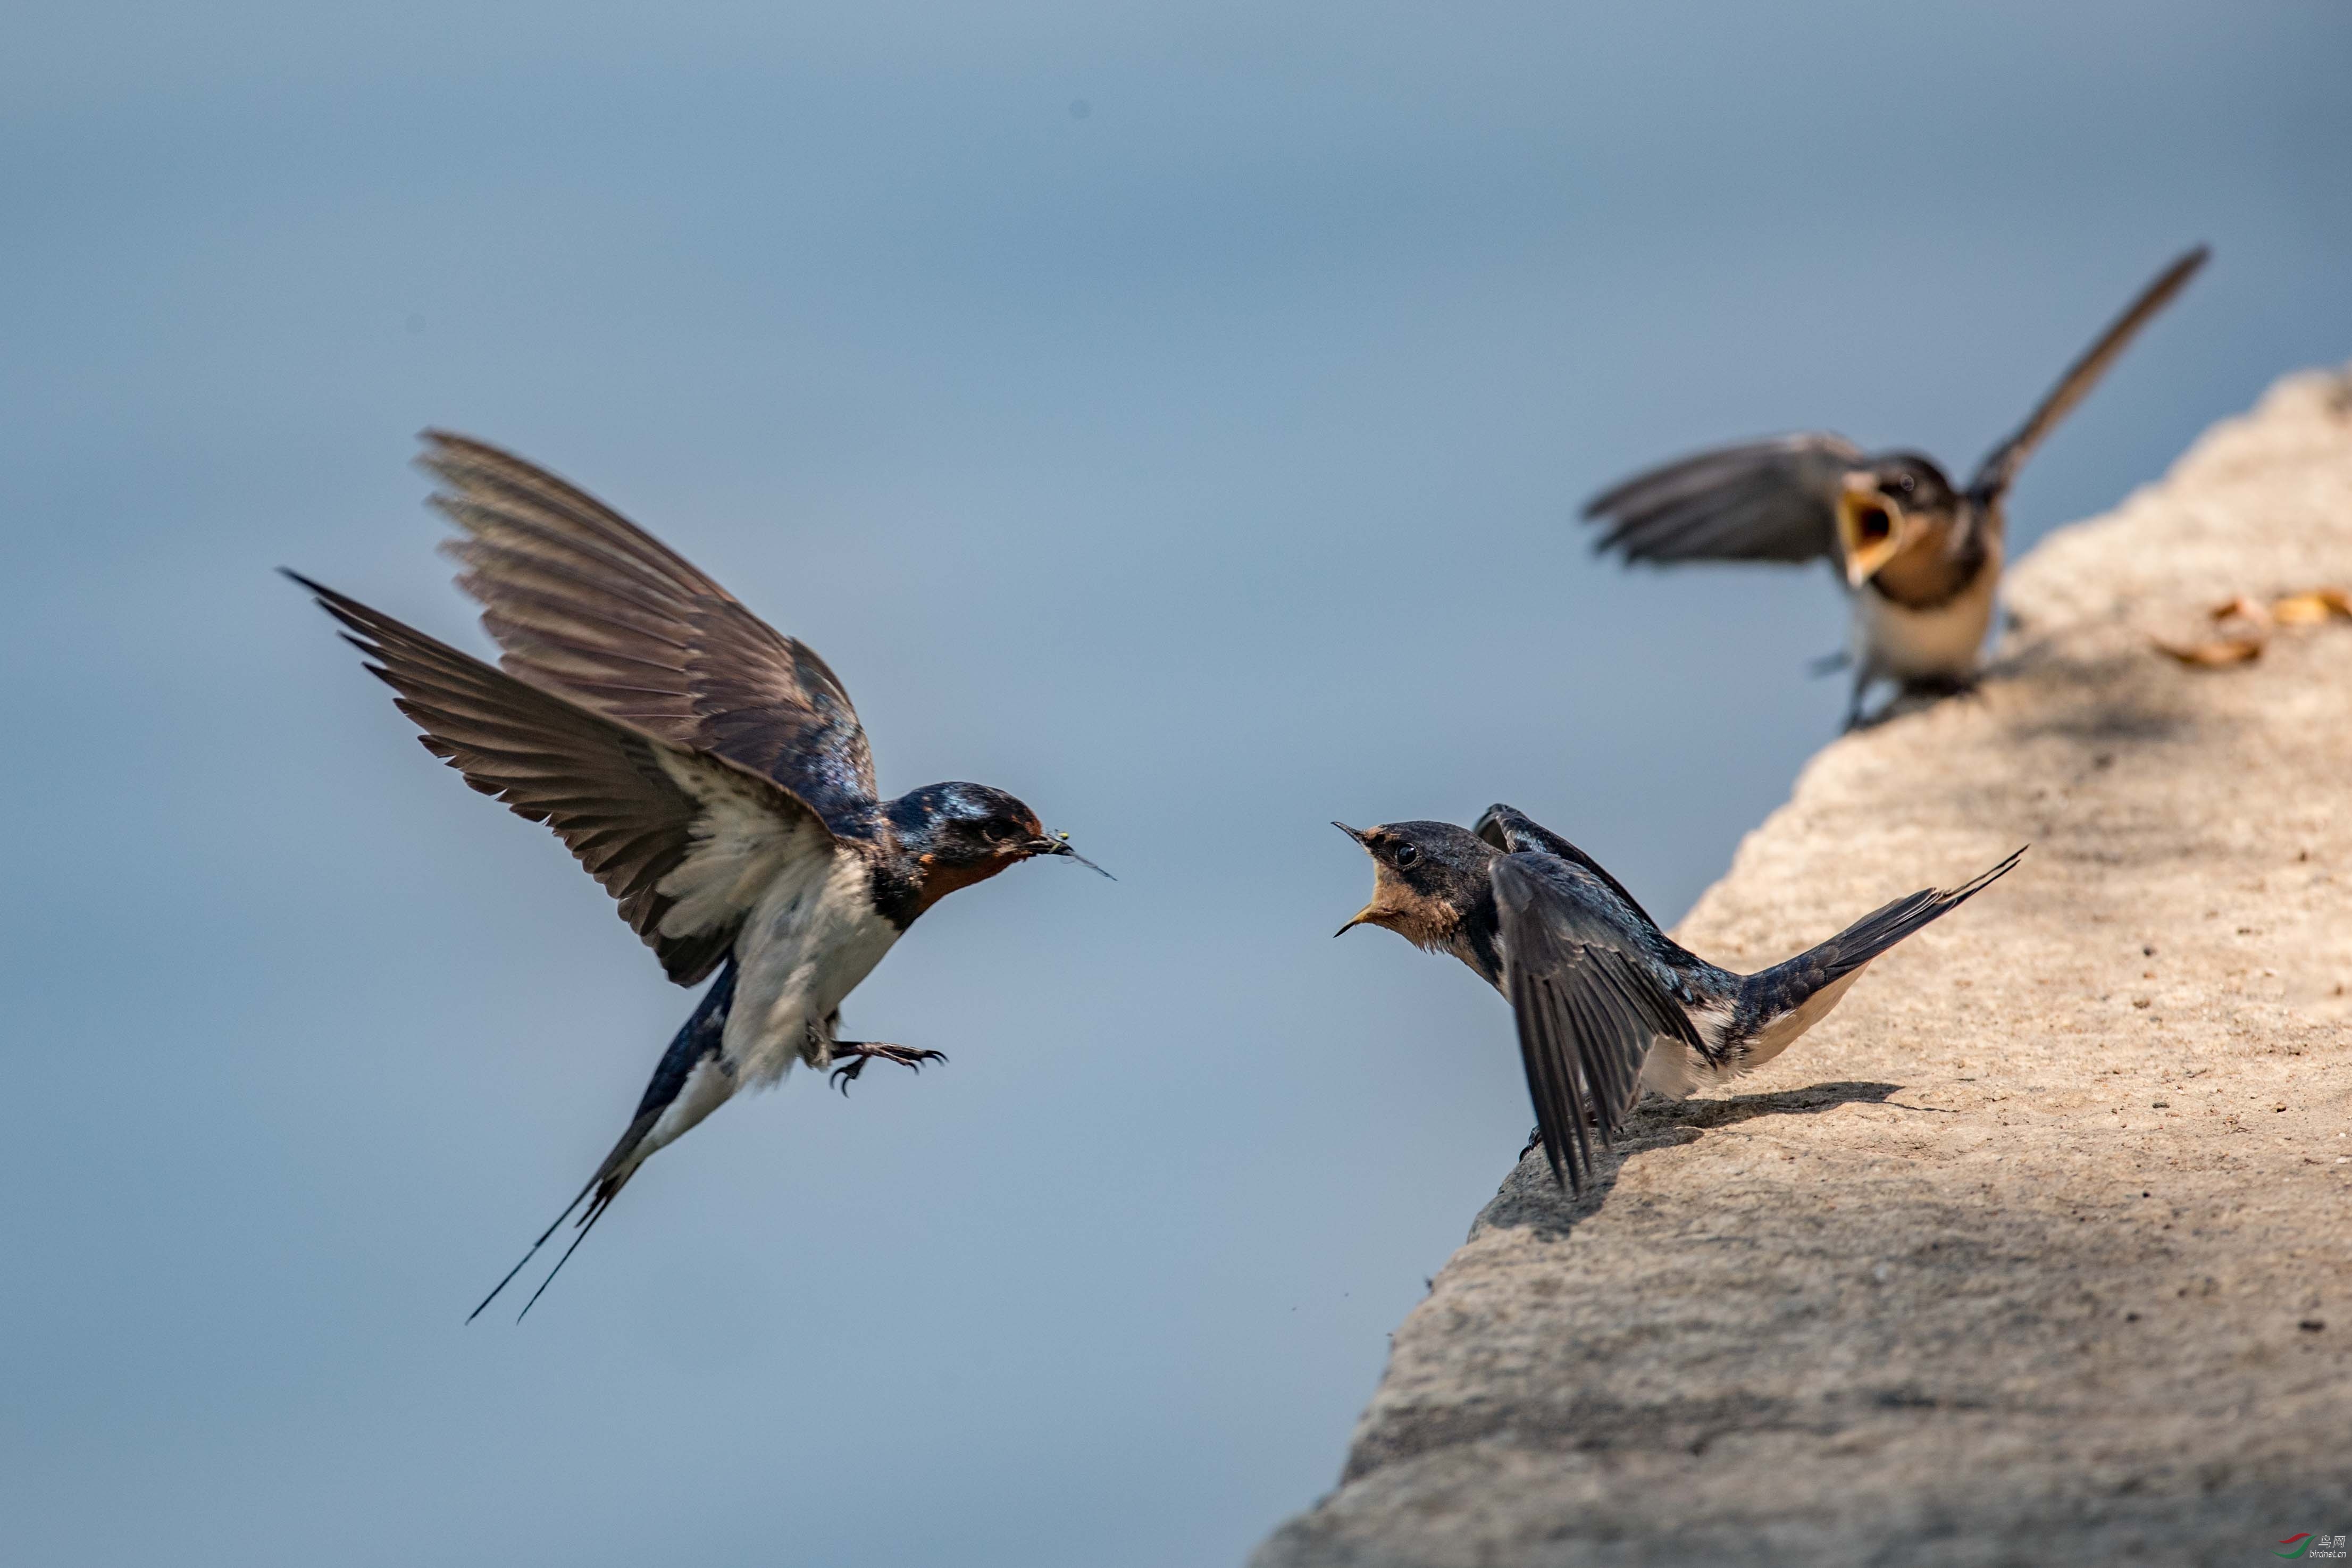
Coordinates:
2311 607
2217 653
2244 608
2249 623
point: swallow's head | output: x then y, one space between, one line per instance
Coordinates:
958 834
1427 879
1900 500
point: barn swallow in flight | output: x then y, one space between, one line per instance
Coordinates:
1919 558
1607 1005
707 771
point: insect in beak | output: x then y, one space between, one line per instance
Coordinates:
1059 844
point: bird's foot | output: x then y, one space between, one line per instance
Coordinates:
1912 696
1535 1134
861 1052
1935 688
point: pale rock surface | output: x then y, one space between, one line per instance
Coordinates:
2040 1249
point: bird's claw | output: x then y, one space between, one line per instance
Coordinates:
864 1051
1935 688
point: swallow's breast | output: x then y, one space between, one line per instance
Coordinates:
814 933
1906 644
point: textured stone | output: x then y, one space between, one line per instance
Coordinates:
2016 1258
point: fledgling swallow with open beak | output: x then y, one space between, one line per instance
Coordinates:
707 769
1919 558
1607 1005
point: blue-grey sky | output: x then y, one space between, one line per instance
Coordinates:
1173 415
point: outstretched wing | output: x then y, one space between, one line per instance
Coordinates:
586 603
1588 1006
1510 829
2001 465
684 839
1765 500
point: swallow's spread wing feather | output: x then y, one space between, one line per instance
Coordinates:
684 840
1510 829
585 602
1587 1005
1765 500
2001 465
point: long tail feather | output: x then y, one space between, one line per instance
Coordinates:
535 1246
1785 987
587 1223
697 1040
1882 928
606 1184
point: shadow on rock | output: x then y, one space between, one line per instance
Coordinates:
1805 1101
1531 1200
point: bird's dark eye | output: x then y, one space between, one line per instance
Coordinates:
997 832
1906 484
1405 855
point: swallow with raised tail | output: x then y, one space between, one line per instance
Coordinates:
1920 558
707 769
1607 1005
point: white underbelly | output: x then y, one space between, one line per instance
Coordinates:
1903 644
804 948
1676 1071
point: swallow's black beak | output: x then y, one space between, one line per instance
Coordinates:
1059 844
1365 914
